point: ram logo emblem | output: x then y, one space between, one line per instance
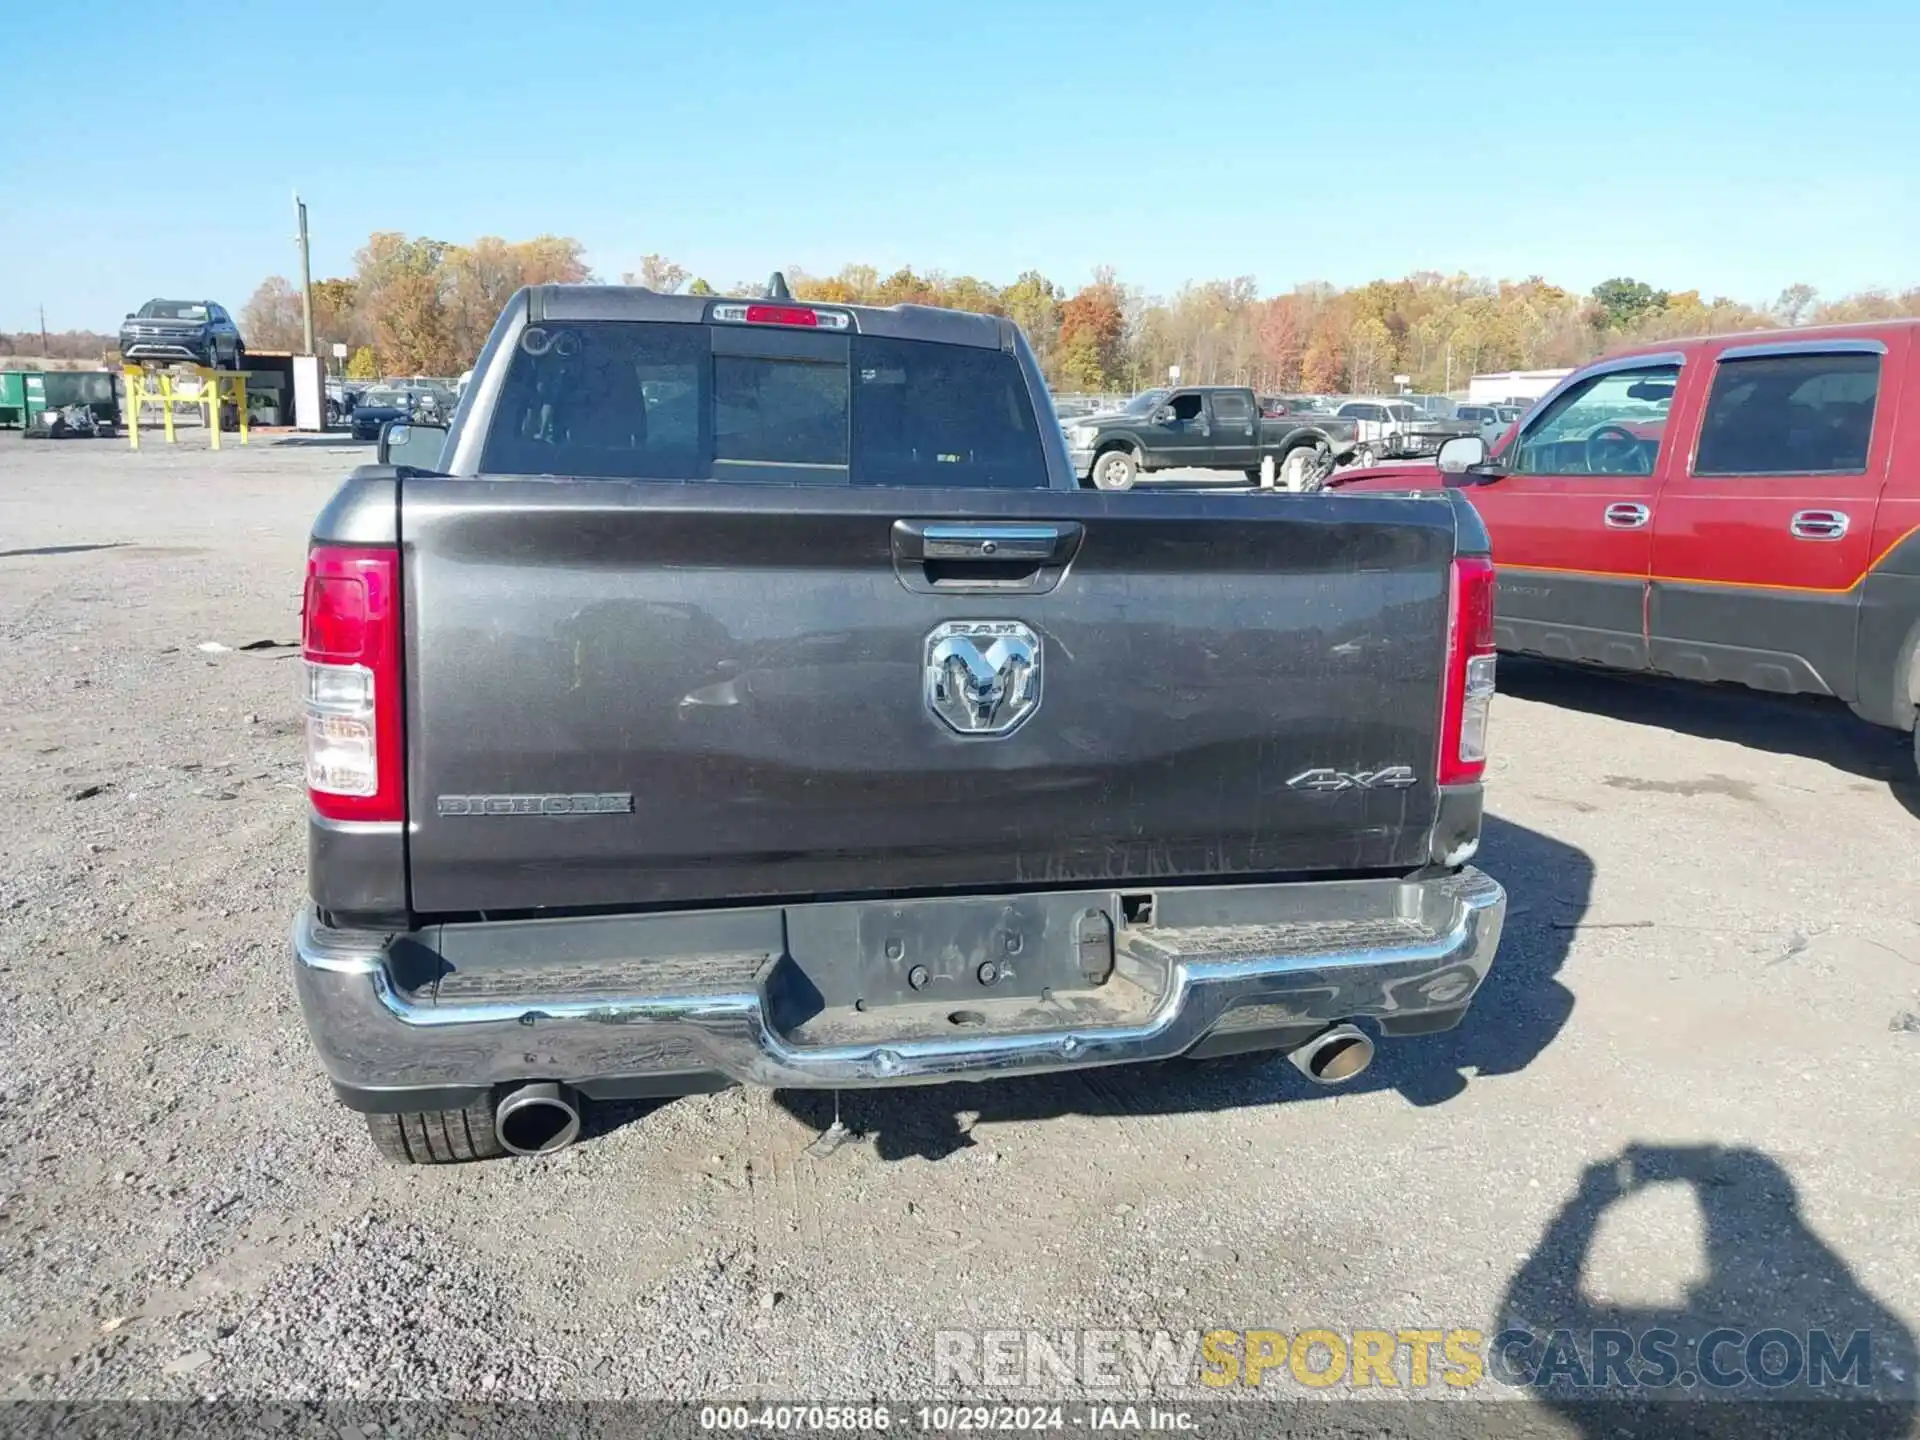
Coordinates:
982 677
1326 781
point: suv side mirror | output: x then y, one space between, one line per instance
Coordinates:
1164 415
1461 453
410 443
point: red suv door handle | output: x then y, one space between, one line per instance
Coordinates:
1818 524
1627 516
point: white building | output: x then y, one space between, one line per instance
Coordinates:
1504 385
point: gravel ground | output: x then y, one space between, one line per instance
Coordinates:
1686 1097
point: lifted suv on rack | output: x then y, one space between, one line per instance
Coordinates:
198 332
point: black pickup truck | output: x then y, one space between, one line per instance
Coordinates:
741 691
1203 427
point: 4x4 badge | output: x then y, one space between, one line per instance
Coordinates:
1324 780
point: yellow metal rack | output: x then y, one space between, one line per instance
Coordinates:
155 387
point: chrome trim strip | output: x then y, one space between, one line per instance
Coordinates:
989 542
355 827
991 532
373 1034
1803 347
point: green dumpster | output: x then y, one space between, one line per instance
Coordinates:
91 388
23 395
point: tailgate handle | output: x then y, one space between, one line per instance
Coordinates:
978 542
972 556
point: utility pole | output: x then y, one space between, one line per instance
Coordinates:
43 330
1449 385
306 276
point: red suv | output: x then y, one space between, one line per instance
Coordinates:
1739 508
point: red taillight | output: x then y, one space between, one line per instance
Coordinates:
781 315
350 642
1470 663
735 312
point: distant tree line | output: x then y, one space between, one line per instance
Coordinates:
88 345
423 306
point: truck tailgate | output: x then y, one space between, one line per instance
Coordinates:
749 664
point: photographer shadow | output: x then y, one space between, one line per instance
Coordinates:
1519 1009
1763 1271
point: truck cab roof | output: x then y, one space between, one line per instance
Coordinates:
548 303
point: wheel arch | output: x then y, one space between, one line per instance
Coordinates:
1887 649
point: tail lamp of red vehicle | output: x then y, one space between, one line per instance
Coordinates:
1470 658
350 635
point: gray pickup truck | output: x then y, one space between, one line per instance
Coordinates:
742 691
1204 427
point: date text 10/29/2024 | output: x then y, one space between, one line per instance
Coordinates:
944 1419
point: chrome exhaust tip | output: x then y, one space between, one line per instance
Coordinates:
536 1120
1334 1056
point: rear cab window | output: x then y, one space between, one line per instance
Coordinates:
1231 408
651 400
1790 414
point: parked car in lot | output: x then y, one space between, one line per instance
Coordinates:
921 762
1493 420
197 332
1391 428
381 403
342 396
1201 427
1741 508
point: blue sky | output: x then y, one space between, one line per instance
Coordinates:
1732 147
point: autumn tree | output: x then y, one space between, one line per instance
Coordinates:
477 283
552 260
827 289
1282 337
657 273
967 293
336 313
1794 303
271 318
1033 303
1623 302
1092 326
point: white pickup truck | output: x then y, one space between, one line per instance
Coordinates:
1396 429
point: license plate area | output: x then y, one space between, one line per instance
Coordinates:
916 968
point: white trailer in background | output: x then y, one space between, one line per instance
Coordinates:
1502 386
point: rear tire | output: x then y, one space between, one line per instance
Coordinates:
437 1137
1365 458
1114 470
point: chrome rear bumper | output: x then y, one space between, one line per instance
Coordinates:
577 1000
